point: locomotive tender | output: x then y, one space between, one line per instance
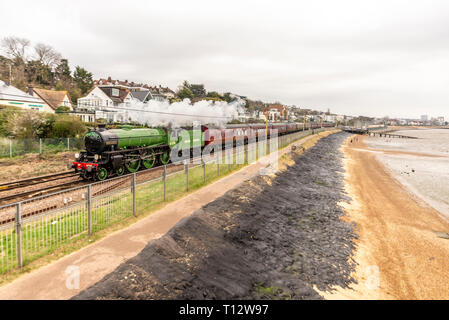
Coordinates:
116 151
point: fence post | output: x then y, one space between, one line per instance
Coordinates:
10 148
19 234
186 168
134 193
89 209
68 143
204 170
164 178
40 145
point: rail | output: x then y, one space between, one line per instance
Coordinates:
35 180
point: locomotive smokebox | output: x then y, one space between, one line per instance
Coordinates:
96 141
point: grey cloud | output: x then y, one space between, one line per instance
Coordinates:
376 57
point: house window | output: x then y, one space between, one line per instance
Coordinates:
115 92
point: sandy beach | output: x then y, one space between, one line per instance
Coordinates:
399 190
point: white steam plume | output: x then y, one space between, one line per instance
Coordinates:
161 113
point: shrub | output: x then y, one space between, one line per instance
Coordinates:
62 109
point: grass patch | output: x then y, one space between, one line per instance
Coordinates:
272 293
321 183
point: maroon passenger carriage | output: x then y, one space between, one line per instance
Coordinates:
243 132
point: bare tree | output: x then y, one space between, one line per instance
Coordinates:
47 55
15 48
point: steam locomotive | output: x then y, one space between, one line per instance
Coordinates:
117 151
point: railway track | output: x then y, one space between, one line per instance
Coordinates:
15 186
17 196
35 180
35 193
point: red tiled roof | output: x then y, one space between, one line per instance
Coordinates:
53 98
154 89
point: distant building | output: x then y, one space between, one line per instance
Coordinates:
10 96
105 97
108 102
276 113
157 92
329 118
52 98
424 117
142 96
110 98
131 86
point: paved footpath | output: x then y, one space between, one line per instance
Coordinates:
104 256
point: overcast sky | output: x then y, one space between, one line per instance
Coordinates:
372 58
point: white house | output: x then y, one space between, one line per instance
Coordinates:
13 97
108 102
329 118
95 99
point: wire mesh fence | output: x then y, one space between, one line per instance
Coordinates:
17 147
35 227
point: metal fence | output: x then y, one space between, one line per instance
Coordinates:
35 227
16 147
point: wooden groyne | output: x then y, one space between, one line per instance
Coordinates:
382 134
389 135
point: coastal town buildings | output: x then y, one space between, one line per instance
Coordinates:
110 98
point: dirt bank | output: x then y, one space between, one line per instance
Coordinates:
271 237
397 235
32 165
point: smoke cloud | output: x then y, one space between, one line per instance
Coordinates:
161 113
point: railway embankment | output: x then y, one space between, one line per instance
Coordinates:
277 236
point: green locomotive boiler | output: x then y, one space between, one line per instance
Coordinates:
117 151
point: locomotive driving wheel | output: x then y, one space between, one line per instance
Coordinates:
148 158
120 171
133 165
102 174
165 157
